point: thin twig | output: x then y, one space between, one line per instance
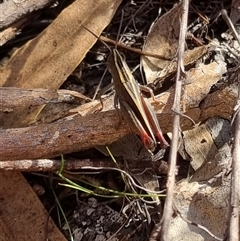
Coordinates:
168 207
52 165
134 50
105 40
38 165
235 187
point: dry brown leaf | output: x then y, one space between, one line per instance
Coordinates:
163 40
199 146
47 60
224 98
202 143
204 77
198 83
204 199
189 57
22 214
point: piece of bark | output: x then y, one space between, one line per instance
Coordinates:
12 11
71 134
16 97
11 32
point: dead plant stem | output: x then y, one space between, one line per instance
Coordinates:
235 187
168 207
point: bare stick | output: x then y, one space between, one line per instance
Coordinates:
134 50
69 164
70 134
50 164
235 187
168 207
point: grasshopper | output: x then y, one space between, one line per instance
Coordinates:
133 104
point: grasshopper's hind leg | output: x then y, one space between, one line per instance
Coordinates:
148 142
154 122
